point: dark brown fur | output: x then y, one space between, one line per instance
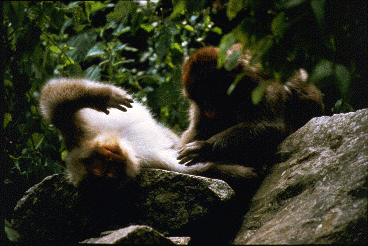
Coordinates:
230 129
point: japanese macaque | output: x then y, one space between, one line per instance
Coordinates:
106 132
230 129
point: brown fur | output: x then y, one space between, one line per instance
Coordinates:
230 129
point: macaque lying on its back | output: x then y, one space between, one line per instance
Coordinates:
110 135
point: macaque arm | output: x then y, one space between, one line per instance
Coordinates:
61 98
234 143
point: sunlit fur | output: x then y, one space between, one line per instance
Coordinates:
75 107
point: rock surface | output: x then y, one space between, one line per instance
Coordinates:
171 203
132 235
318 194
137 234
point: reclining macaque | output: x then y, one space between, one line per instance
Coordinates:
106 132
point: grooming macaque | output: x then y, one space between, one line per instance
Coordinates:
107 134
230 129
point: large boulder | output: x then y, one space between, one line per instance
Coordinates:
318 193
173 204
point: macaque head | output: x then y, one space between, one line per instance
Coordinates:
208 86
104 158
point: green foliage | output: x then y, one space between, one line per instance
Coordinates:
288 34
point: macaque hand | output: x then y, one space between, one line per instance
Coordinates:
119 100
195 152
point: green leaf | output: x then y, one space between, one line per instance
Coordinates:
64 154
318 7
232 60
263 45
93 73
37 139
82 44
233 7
235 83
165 94
147 27
122 9
290 3
176 46
79 28
226 42
67 23
278 24
12 234
164 42
78 14
258 92
121 29
55 49
217 30
95 5
73 70
179 8
99 50
173 29
343 78
322 70
188 28
341 106
7 119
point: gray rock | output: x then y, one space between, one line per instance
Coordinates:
172 203
180 240
174 200
318 194
134 234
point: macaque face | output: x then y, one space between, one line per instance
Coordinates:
107 161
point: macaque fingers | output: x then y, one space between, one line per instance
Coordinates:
189 160
126 102
194 152
120 103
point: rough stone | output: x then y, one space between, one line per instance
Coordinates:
134 234
172 203
318 194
